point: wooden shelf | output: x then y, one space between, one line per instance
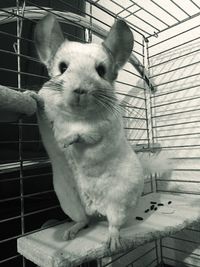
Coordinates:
47 248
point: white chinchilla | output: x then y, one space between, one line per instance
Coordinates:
95 170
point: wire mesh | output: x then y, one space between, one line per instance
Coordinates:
174 67
27 196
167 43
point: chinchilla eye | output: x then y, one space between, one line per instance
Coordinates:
63 67
101 70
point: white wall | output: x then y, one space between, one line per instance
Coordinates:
176 111
179 131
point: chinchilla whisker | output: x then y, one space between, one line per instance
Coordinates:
57 86
112 108
102 104
112 101
109 99
106 104
118 109
103 93
102 113
127 104
107 91
124 102
131 110
120 91
59 83
107 94
124 108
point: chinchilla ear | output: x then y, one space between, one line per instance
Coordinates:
48 37
119 42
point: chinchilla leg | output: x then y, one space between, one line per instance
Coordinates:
114 241
72 231
36 97
115 220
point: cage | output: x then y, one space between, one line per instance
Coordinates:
161 101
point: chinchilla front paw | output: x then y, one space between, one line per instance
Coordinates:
91 138
36 97
70 140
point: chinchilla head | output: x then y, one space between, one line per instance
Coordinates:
82 75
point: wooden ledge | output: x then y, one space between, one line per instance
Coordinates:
14 104
174 213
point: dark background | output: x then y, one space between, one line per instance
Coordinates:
20 141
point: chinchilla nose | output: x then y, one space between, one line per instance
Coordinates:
80 91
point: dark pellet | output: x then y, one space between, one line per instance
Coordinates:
152 207
169 202
155 208
139 218
153 202
160 204
146 210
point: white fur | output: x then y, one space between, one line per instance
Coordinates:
156 164
95 170
78 54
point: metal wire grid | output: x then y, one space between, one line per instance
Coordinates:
184 245
27 205
146 256
165 14
137 99
175 111
176 108
174 66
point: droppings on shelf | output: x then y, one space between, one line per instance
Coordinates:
157 206
152 207
139 218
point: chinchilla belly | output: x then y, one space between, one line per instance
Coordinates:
93 195
118 185
101 178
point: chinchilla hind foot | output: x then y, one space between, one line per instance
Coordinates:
114 241
71 233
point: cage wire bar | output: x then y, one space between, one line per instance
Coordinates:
141 129
7 166
18 51
176 126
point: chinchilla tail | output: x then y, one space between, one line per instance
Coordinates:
156 164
